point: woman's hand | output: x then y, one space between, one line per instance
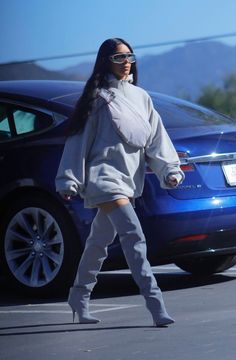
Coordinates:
172 180
65 196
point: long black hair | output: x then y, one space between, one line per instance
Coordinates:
96 81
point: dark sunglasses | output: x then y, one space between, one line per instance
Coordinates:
122 57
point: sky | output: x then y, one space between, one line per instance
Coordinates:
32 29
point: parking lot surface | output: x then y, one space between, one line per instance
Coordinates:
204 310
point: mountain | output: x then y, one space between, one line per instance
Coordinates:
82 70
181 72
184 71
31 71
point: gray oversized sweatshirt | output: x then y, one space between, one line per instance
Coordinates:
107 160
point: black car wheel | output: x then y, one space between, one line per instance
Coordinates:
207 265
40 245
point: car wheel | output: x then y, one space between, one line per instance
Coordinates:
207 265
40 246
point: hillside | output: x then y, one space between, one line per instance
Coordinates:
181 72
31 72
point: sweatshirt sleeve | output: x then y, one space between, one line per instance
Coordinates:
70 178
161 155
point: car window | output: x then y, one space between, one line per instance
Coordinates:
180 114
16 121
4 124
24 121
27 121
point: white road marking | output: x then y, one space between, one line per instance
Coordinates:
65 304
114 308
120 307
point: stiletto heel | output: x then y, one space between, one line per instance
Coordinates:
73 315
163 322
158 311
79 304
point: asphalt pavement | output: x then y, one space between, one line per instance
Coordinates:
204 310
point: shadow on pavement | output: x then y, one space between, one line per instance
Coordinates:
117 285
73 328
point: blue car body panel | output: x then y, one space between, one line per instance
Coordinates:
204 205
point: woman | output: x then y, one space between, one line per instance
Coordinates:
114 132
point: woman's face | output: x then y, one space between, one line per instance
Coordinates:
121 71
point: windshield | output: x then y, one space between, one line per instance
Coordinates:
181 114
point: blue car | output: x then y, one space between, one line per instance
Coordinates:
42 236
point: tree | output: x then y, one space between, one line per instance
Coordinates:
221 99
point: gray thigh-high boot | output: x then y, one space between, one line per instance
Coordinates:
102 234
133 243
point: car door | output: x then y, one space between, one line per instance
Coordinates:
18 126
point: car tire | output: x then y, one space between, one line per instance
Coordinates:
40 247
207 265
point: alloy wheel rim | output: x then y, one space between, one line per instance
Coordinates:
34 247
